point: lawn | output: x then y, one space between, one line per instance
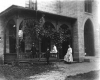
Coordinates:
24 70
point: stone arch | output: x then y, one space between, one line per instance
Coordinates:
65 32
11 36
48 25
21 25
25 22
89 38
27 26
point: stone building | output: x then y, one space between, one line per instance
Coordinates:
74 20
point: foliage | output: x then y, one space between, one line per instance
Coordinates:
36 30
65 34
29 28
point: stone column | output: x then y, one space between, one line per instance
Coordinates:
2 40
18 21
75 46
81 42
81 38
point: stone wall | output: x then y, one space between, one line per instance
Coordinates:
1 42
60 7
82 17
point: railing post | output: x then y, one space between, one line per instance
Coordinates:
4 25
39 48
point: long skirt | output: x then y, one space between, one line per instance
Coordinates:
68 58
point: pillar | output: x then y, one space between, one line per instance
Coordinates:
75 46
2 40
18 21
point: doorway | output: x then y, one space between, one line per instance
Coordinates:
66 39
45 43
12 36
89 38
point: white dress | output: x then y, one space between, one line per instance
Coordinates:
68 57
54 50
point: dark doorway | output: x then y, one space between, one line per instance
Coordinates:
46 43
22 45
64 48
12 36
66 36
89 38
46 40
12 44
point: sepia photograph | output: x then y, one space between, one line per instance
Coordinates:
49 39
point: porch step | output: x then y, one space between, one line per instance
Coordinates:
92 59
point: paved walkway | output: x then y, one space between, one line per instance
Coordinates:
69 69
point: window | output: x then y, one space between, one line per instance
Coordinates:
31 4
88 6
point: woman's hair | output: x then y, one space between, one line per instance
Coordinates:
69 45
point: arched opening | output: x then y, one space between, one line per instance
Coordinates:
46 41
29 35
89 38
11 37
66 39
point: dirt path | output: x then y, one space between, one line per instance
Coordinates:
2 78
66 70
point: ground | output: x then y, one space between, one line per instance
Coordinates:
93 75
54 71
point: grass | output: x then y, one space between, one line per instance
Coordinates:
24 70
93 75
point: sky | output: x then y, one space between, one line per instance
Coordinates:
4 4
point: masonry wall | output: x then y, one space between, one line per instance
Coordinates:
82 17
60 7
1 42
96 28
68 8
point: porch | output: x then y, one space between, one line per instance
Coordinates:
43 31
27 58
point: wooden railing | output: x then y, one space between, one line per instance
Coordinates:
26 57
10 57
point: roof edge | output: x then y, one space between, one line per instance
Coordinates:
9 8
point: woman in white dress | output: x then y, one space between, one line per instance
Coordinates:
68 57
54 51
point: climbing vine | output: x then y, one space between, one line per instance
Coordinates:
37 29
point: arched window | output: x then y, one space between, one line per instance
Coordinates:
88 6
